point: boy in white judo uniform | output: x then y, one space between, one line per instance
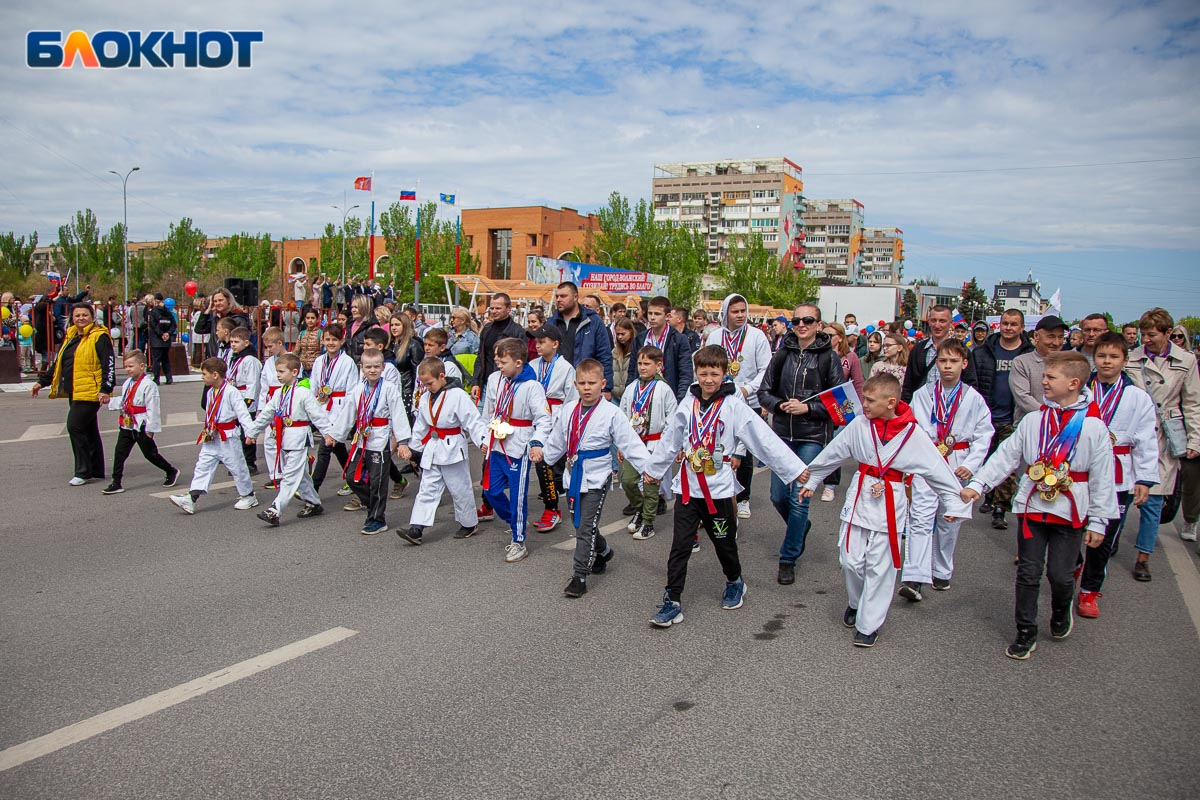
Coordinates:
268 385
889 447
220 441
334 373
649 405
446 421
139 418
244 373
958 421
557 377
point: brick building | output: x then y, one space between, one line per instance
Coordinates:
502 238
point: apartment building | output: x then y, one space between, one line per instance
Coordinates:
833 238
882 256
1024 295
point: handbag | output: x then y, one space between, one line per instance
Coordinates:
1172 427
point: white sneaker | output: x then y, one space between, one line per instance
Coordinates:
77 481
185 502
743 511
515 552
827 494
345 491
246 503
1188 534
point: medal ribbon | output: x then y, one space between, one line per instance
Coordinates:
504 402
945 407
1059 435
214 408
278 422
661 341
327 369
1107 399
733 344
576 427
130 393
366 404
642 395
545 370
702 428
233 367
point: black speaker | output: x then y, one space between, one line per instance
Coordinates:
234 285
250 292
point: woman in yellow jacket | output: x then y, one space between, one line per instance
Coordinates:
85 373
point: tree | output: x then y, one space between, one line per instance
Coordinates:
925 280
908 305
177 259
398 225
246 255
356 251
16 256
99 256
758 274
974 304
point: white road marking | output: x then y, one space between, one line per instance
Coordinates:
1185 571
182 418
94 726
212 488
57 430
607 530
47 431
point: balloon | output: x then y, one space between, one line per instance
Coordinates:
907 324
115 333
882 323
912 331
190 287
26 330
920 334
187 338
169 303
5 312
870 329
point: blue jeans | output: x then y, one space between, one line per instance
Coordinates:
786 499
1151 513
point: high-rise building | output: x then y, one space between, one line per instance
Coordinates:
882 256
727 200
833 231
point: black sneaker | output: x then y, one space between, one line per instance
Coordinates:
466 533
662 507
986 506
602 562
911 591
628 511
865 639
311 510
114 488
576 588
850 618
998 520
636 523
171 479
787 574
941 584
270 517
412 534
1024 645
1061 625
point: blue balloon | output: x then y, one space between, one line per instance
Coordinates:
912 331
169 303
870 329
186 338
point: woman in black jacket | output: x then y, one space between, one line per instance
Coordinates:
406 351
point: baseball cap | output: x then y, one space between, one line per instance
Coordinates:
548 332
782 319
1050 323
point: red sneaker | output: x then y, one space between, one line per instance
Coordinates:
485 513
1087 604
549 521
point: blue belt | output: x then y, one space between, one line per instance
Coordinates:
577 477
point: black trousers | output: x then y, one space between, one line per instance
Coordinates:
160 363
126 439
83 427
371 488
321 466
550 479
1095 559
1053 549
722 531
745 475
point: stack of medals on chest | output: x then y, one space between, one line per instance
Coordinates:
702 436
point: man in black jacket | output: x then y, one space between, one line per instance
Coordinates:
677 353
161 327
501 326
803 367
920 359
991 360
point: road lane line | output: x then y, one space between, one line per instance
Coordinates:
607 530
47 431
211 489
1185 571
56 430
94 726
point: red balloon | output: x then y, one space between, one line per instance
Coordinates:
882 323
190 287
920 334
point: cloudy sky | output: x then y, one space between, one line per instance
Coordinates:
965 124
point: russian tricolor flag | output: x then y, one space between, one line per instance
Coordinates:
408 194
841 402
958 317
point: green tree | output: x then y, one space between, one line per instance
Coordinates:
925 280
246 255
908 305
757 273
16 256
398 224
974 304
177 259
685 257
356 249
99 255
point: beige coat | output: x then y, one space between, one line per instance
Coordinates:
1175 386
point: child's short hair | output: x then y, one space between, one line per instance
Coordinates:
711 356
1114 340
954 347
376 336
134 355
651 352
591 366
226 324
660 302
216 365
374 355
335 330
885 384
272 335
240 333
432 366
437 336
513 348
1073 364
288 361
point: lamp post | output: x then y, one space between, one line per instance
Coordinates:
345 213
125 231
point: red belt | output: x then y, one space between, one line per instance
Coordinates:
487 472
957 446
220 428
652 437
1118 470
703 481
889 477
360 443
278 424
142 410
553 401
441 432
239 388
1076 520
332 395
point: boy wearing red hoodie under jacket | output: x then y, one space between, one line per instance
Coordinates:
890 448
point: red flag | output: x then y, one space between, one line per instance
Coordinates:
362 184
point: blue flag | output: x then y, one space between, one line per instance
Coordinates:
448 199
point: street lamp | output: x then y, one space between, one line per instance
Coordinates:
125 203
345 213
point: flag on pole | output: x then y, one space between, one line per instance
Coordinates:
448 199
408 194
958 317
1056 300
841 402
362 184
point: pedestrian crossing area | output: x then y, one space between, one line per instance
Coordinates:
58 430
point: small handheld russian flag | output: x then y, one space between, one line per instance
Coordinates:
841 402
958 317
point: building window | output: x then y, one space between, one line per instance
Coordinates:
532 239
1002 293
1024 293
501 266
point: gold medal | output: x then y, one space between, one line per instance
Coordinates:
735 367
1049 495
366 434
710 467
287 421
324 392
1065 484
943 449
1112 437
877 489
1036 471
1063 469
207 435
694 461
126 420
1050 479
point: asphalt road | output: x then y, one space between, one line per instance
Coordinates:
470 678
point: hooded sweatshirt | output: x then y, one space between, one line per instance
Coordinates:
746 346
